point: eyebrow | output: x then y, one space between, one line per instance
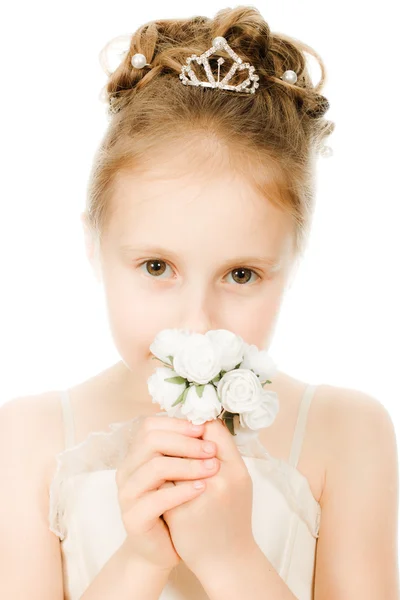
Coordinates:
272 262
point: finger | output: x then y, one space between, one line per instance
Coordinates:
163 486
168 423
155 503
152 474
216 431
167 443
172 437
166 484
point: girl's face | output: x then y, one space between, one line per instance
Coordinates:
191 252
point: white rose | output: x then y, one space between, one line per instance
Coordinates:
240 390
199 410
230 345
165 393
197 359
167 342
264 415
258 361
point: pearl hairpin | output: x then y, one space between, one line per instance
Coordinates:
139 61
289 76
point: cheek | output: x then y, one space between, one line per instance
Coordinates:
135 317
131 308
257 328
132 338
134 324
257 324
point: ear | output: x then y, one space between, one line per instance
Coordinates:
90 247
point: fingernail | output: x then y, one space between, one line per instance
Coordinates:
208 447
199 484
197 428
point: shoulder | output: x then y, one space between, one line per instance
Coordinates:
29 427
353 415
359 501
360 436
348 431
32 427
32 414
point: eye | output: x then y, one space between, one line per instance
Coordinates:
156 268
243 274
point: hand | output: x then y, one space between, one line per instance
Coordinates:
142 495
216 526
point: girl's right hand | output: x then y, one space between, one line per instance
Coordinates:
140 478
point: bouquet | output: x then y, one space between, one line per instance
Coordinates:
215 375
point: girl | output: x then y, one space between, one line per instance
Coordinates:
199 208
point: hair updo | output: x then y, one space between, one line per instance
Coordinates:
272 136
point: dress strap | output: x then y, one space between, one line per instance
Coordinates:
301 424
68 420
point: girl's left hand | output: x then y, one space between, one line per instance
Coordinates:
216 526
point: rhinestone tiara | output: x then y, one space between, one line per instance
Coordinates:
238 65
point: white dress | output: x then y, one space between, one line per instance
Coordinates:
85 514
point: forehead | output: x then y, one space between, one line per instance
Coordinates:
222 203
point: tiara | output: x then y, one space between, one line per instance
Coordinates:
238 65
138 61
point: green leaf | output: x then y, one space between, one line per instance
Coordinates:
171 358
229 423
180 398
200 390
161 361
229 414
177 379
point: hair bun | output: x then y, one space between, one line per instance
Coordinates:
320 108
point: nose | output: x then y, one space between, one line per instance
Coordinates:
198 317
196 326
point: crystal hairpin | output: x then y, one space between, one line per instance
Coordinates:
238 65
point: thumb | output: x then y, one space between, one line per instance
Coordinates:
217 431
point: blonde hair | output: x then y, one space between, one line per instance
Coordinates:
271 136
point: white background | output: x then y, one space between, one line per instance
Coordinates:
339 323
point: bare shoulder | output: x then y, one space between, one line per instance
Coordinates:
29 437
35 411
352 413
345 428
359 432
37 429
359 501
